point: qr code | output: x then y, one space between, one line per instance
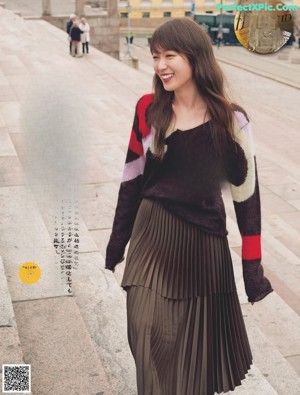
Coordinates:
16 378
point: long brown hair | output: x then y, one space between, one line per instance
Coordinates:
190 39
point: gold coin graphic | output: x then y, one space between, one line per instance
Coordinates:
263 27
29 272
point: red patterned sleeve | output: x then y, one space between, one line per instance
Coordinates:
130 189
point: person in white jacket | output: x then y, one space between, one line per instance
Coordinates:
85 36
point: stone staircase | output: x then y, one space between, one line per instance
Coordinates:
62 115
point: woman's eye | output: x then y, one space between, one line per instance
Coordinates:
170 56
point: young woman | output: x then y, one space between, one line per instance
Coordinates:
185 326
85 36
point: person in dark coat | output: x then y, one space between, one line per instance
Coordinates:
75 34
68 29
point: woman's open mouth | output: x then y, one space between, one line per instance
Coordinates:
166 77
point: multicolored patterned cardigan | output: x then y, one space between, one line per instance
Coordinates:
245 197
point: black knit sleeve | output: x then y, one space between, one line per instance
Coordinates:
246 199
129 197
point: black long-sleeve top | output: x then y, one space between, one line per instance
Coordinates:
188 182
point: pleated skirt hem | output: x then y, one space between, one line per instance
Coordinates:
195 346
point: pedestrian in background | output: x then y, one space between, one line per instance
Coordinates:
185 324
75 34
219 39
85 36
68 28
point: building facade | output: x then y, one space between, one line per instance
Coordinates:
144 9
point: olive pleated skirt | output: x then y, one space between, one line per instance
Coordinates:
185 325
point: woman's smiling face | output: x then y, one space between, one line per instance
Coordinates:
173 69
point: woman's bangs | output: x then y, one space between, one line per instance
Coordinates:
162 41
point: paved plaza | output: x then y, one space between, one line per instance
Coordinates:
64 128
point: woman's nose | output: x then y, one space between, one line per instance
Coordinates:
161 64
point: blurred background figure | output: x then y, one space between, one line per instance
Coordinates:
85 36
75 34
68 28
219 39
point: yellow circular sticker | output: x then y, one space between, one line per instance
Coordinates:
29 272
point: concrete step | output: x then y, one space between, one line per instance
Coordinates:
103 308
6 310
50 335
10 346
274 318
60 336
26 239
275 369
56 343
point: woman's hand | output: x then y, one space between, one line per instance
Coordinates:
113 269
257 286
